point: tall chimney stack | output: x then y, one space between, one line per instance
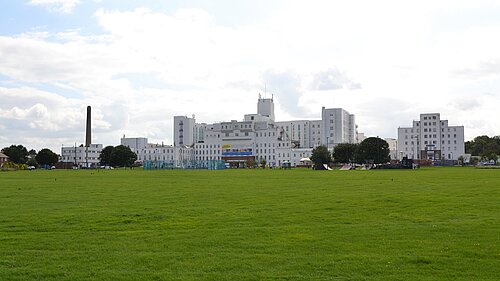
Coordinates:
88 135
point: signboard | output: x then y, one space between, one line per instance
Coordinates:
228 151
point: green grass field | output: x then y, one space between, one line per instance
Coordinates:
427 224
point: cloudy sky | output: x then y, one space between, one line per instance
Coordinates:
139 63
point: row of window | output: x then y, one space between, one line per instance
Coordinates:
79 158
432 136
444 148
81 151
429 130
433 142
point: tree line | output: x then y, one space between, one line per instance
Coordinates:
485 147
119 156
19 155
370 151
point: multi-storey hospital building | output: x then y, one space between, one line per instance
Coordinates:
256 138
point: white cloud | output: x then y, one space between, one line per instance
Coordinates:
61 6
308 54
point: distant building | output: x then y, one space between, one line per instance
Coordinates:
157 152
361 137
431 138
82 156
258 137
3 158
393 148
255 139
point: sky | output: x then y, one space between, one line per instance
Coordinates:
139 63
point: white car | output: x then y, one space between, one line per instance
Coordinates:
31 168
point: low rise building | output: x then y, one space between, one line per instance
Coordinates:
82 156
3 158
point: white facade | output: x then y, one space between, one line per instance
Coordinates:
157 152
265 107
393 148
256 138
338 126
82 156
184 131
431 138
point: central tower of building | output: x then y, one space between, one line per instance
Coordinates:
265 107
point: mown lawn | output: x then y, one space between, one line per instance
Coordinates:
427 224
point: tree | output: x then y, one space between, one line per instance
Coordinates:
32 162
251 162
105 156
373 150
321 155
16 153
483 146
263 163
46 157
122 156
344 152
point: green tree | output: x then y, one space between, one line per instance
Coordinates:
320 155
483 146
373 150
46 157
32 162
105 156
344 152
122 156
263 163
251 162
17 153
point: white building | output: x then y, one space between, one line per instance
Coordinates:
258 137
393 148
82 156
431 138
157 152
338 126
184 131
